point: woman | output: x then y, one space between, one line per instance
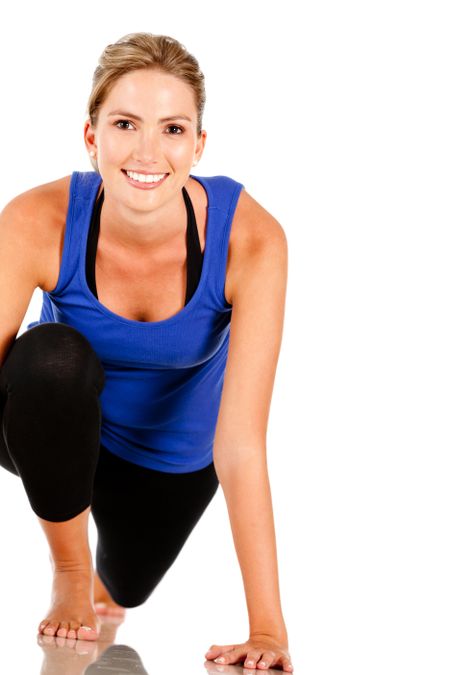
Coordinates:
139 390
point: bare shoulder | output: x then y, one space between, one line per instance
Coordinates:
43 199
254 232
40 214
258 224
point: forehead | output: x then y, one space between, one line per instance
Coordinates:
147 89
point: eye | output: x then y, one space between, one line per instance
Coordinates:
120 122
174 126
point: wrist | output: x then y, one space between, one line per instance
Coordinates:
277 633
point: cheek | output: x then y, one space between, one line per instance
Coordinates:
181 153
117 146
114 144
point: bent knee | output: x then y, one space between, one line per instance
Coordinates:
131 592
53 351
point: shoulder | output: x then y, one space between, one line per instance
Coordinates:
38 216
258 244
256 223
43 199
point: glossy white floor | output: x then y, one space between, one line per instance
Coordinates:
364 570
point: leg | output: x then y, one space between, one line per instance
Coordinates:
143 519
49 385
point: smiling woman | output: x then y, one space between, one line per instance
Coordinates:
157 345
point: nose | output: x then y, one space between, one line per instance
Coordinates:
148 146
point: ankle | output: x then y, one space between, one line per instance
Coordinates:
81 567
80 563
69 541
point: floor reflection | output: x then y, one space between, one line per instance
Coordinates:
63 656
117 659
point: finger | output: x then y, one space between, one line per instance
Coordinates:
252 658
266 660
232 656
216 650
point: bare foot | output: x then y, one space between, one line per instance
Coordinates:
71 613
103 602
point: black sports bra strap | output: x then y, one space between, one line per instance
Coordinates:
92 243
194 258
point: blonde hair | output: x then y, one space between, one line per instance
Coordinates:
144 50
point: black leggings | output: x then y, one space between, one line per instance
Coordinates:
50 384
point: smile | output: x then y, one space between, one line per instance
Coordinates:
143 181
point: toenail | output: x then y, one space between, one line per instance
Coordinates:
86 628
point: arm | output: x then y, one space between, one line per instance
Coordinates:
22 262
259 289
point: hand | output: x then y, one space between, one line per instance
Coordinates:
260 651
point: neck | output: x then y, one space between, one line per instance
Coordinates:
142 231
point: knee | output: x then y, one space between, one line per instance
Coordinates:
123 595
130 592
53 352
128 600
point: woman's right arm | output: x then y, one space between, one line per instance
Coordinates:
22 262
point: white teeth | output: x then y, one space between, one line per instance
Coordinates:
155 178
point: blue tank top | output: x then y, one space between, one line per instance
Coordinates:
163 379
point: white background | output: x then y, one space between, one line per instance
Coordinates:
335 116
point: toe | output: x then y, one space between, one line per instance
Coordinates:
87 633
104 609
73 628
62 630
51 628
101 608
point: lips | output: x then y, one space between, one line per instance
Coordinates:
144 173
142 184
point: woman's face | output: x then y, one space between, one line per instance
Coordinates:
161 141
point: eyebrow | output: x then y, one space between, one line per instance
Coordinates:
136 117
